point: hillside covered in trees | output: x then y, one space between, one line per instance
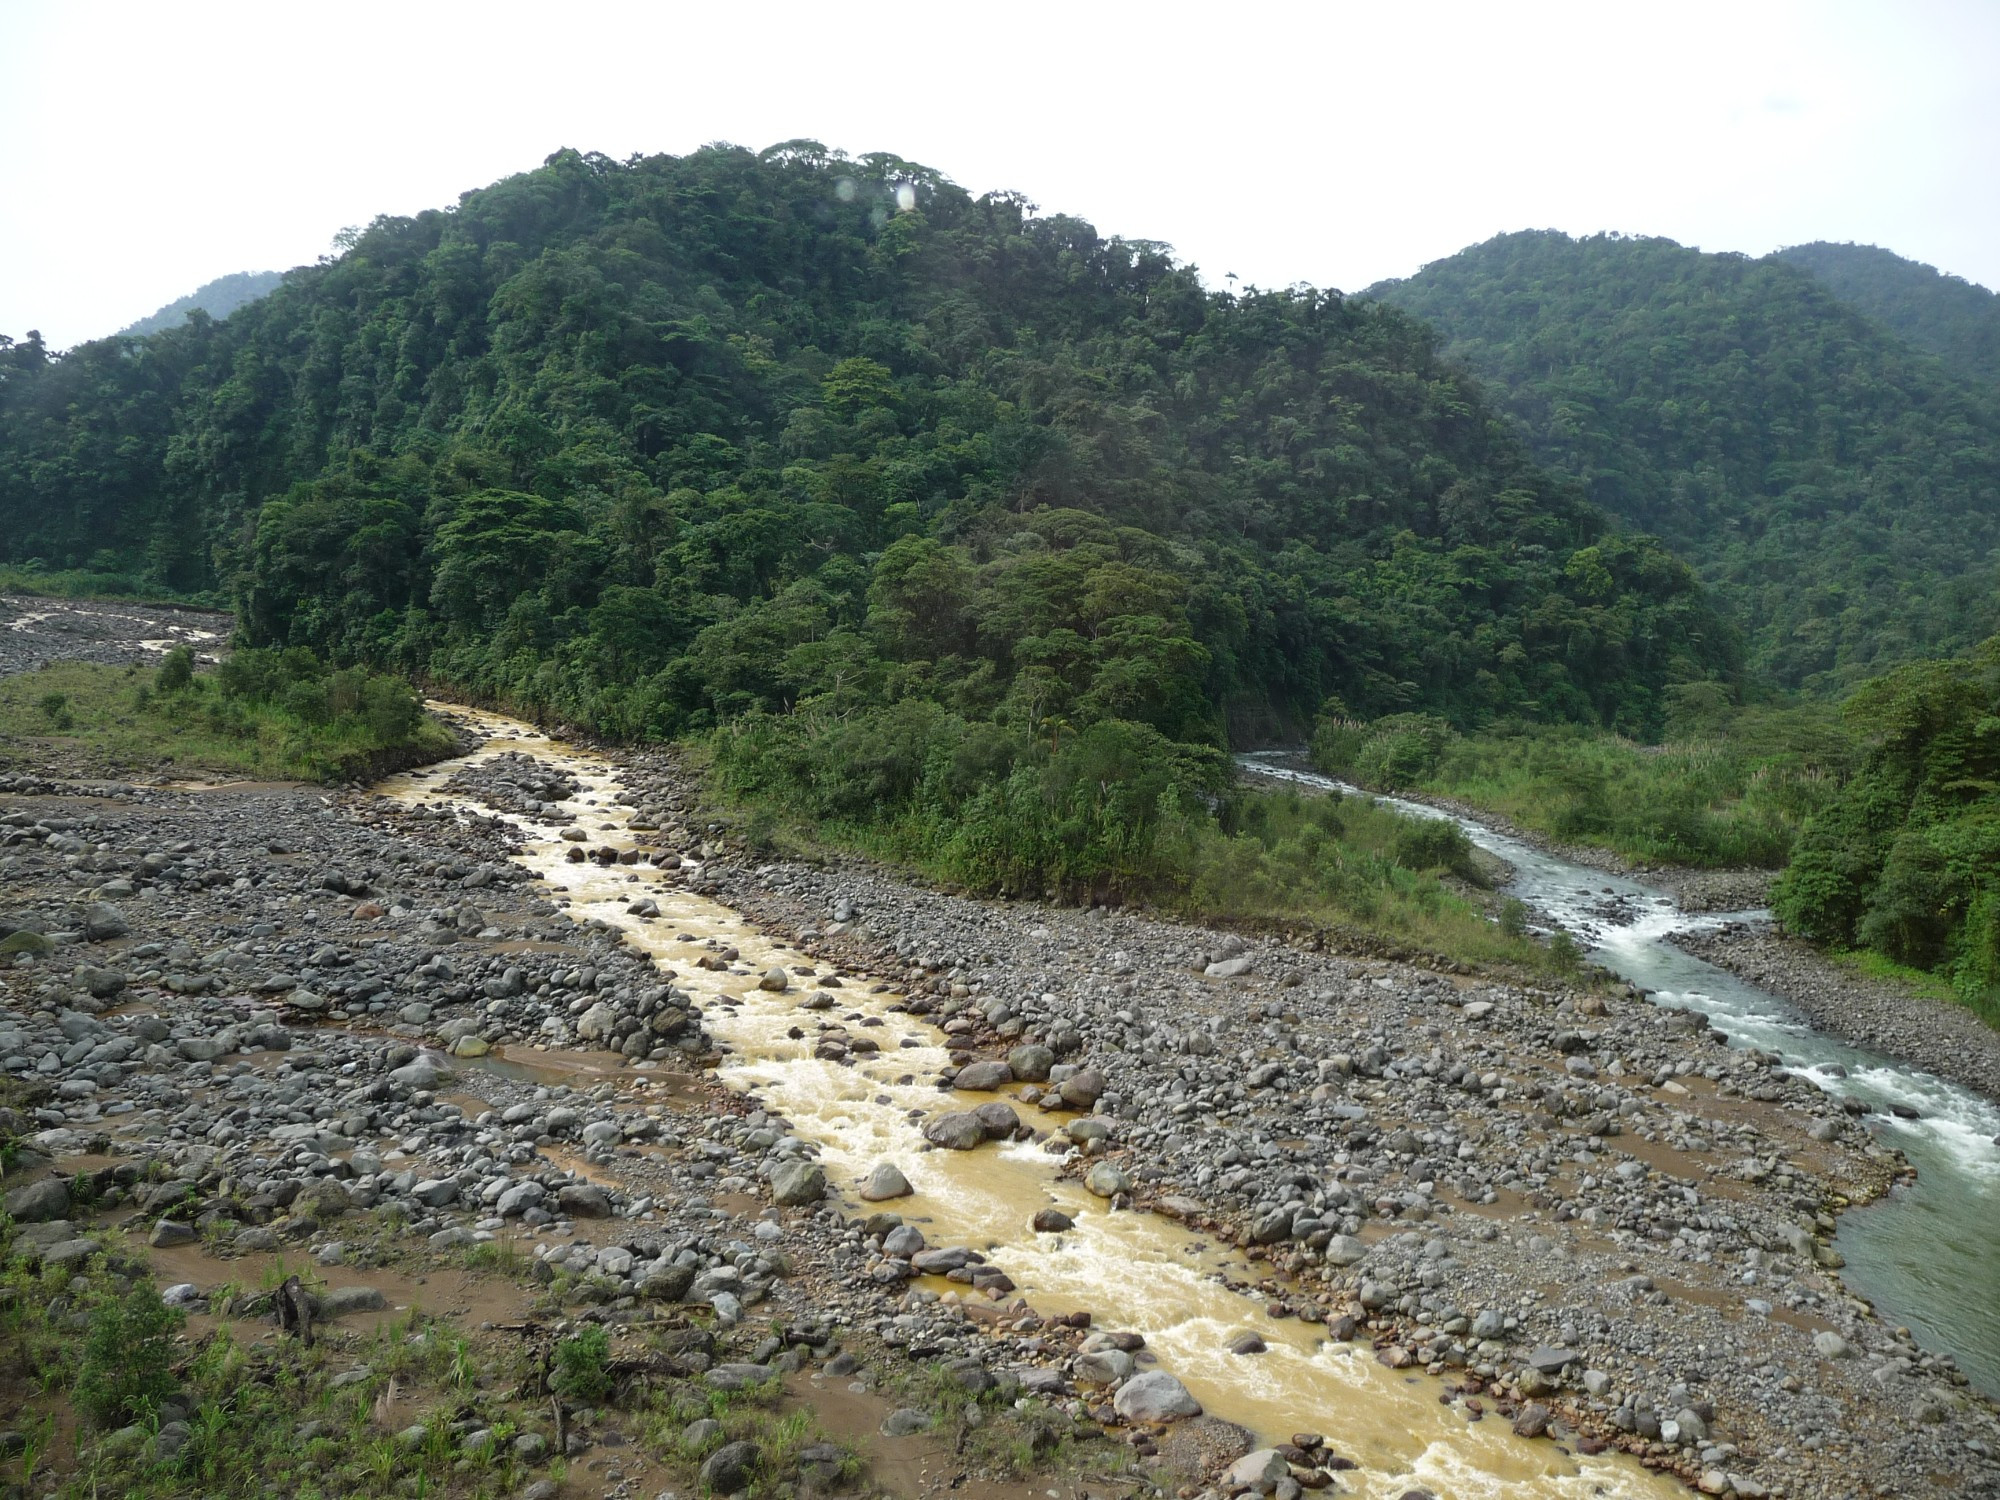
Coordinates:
1906 858
917 493
218 298
1836 486
1955 319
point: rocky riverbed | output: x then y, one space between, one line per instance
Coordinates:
35 632
1551 1196
246 1024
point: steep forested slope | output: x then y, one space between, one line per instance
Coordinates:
599 408
218 298
1953 318
1840 489
1906 859
928 498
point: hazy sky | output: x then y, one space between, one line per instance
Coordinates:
146 148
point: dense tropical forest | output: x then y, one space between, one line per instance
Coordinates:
218 298
1953 318
1833 483
943 507
1905 860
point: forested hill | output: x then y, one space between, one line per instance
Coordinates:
1839 488
660 442
1955 319
218 298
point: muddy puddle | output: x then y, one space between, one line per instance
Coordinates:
1130 1270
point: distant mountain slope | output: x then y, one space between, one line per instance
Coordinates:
1955 319
219 298
1840 488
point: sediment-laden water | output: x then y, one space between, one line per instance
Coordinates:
1130 1270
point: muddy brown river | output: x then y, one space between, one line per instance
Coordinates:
1131 1270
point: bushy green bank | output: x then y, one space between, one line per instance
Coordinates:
1905 861
108 581
275 715
1884 813
1730 787
1116 811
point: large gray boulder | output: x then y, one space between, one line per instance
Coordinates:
101 921
729 1468
1031 1062
1103 1366
341 1300
667 1283
960 1131
1107 1181
981 1076
998 1119
518 1199
418 1075
1154 1396
1259 1471
102 983
797 1183
885 1182
597 1023
1082 1090
1344 1250
584 1200
39 1202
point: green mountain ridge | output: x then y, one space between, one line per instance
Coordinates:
614 438
218 298
1837 488
1955 319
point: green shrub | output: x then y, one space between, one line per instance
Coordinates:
1433 844
1565 951
1394 753
126 1364
176 673
583 1364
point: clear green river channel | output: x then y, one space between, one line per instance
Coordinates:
1928 1256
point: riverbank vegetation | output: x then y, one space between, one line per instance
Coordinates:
106 582
264 715
969 535
1729 787
641 444
1117 813
1883 813
1905 860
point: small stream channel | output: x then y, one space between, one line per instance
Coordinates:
1131 1270
1928 1256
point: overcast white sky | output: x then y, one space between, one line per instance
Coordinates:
147 148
